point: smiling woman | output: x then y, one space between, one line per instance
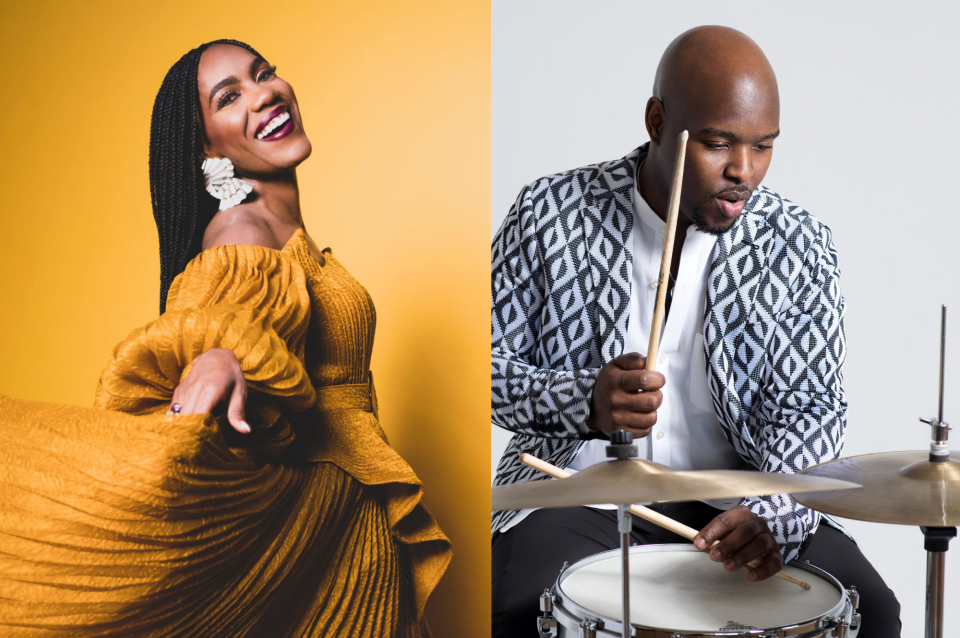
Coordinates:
233 478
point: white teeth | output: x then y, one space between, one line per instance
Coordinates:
274 124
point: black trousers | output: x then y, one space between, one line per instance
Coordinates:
527 559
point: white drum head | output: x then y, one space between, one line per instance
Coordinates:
679 588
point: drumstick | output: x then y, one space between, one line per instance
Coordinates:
673 209
646 513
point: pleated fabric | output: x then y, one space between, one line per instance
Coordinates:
120 520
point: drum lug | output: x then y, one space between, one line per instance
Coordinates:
843 626
854 597
546 601
589 626
547 625
855 625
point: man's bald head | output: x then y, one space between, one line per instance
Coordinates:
716 83
718 66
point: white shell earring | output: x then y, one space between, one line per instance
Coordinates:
219 181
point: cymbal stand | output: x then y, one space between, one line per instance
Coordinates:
937 539
621 447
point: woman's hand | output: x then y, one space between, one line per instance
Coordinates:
216 376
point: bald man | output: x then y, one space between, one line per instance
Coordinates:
750 361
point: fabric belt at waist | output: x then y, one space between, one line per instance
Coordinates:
348 396
342 444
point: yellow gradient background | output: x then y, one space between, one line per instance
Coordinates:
395 98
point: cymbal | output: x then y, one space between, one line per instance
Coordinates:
903 488
633 481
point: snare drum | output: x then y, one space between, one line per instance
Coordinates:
676 591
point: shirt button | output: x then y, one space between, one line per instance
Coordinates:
660 434
662 359
663 230
653 284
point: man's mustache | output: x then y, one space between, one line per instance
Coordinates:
741 192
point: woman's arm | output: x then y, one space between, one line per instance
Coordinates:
249 301
216 375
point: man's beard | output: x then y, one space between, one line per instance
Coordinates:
701 224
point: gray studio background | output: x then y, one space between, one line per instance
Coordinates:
869 110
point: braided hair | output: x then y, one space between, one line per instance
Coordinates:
182 207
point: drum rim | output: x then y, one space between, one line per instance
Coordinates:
571 608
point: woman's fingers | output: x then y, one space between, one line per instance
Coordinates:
216 377
235 414
175 400
195 398
206 398
185 398
180 394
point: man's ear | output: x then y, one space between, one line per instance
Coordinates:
655 119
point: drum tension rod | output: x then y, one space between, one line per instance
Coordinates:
547 625
854 596
588 628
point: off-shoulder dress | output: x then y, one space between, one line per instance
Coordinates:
121 520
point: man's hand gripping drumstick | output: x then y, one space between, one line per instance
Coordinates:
627 392
646 513
626 397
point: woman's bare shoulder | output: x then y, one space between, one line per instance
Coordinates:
241 227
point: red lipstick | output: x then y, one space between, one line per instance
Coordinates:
266 120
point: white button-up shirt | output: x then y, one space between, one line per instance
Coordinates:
688 435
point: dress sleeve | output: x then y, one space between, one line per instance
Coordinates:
248 299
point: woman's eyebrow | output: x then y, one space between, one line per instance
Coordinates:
233 79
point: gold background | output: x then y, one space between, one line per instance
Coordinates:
395 98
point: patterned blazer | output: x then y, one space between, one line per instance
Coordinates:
773 330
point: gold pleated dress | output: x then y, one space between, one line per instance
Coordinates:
120 520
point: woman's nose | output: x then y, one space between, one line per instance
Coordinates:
262 95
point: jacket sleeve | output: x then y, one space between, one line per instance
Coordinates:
527 398
801 418
248 299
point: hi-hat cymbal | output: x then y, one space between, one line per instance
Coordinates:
903 488
634 481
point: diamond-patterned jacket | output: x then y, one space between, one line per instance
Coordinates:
773 329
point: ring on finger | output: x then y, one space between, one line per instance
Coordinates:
175 408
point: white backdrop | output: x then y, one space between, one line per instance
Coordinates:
869 103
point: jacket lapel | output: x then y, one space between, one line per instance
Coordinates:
739 263
607 217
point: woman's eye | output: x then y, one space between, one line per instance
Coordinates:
227 98
224 101
266 74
